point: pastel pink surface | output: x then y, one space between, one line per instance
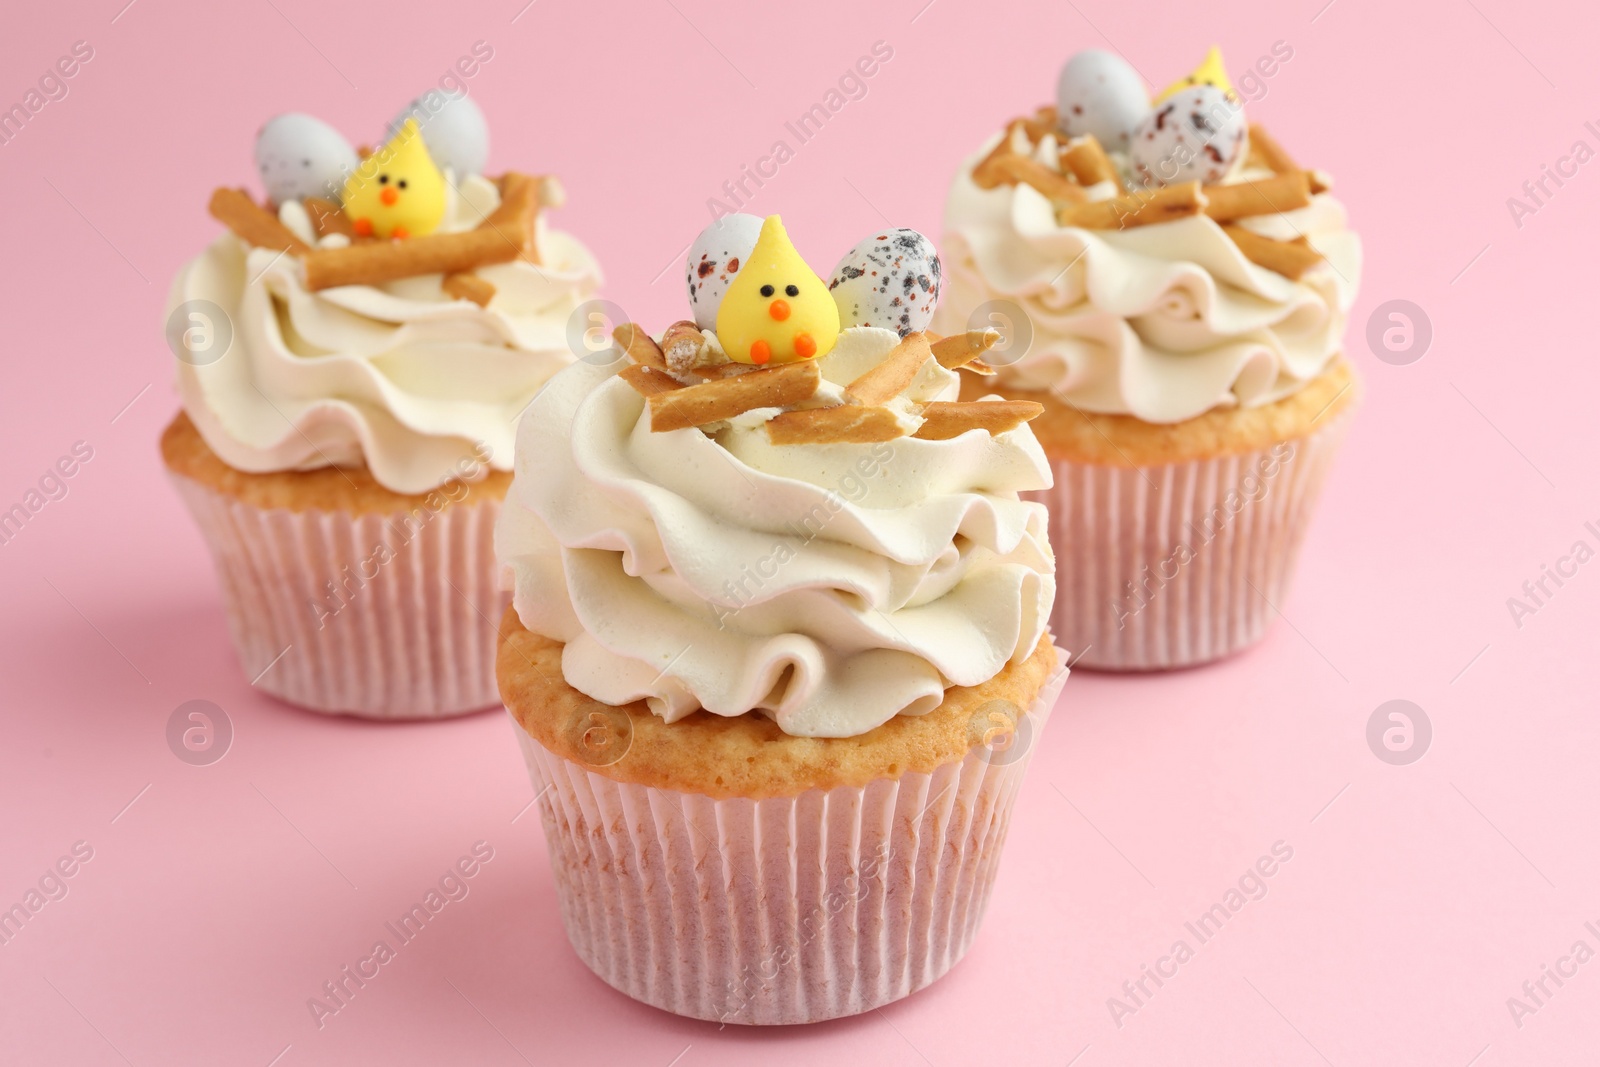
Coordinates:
1418 899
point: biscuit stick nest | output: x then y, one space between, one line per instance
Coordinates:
769 387
965 350
1082 162
865 418
253 223
505 235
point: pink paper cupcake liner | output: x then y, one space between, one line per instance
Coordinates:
384 616
1178 564
782 910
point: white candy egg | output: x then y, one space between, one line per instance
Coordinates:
1099 93
891 280
1196 135
299 156
714 258
453 128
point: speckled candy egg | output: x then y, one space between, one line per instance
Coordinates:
453 128
299 156
714 259
891 280
1099 93
1196 135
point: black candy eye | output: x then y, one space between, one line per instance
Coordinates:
792 290
383 179
767 290
401 183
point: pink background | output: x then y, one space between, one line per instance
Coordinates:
1419 897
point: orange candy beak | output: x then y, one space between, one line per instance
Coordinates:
389 195
778 309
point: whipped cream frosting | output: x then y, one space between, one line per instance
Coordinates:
828 586
1163 322
399 376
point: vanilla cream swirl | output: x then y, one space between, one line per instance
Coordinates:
1163 322
828 586
400 376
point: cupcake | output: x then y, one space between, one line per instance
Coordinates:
778 652
352 357
1174 289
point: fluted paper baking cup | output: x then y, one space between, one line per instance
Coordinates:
1178 564
780 910
387 616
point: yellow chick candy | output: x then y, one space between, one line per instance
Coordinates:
776 310
396 191
1210 72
